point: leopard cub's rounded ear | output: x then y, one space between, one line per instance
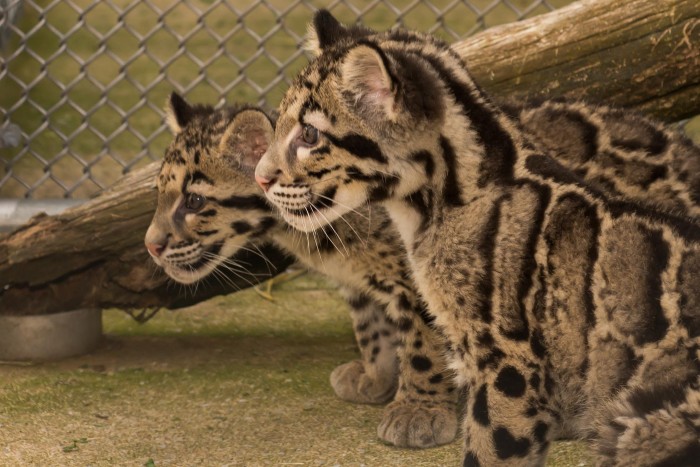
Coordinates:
247 138
366 77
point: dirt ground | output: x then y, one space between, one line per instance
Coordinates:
237 380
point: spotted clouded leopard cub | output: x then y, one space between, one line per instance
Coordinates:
569 310
209 207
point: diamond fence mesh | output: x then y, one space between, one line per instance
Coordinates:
83 82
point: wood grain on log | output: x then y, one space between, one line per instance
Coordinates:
643 54
639 53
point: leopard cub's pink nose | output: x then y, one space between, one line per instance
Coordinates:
265 183
155 249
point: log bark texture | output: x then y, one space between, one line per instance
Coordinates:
643 54
639 53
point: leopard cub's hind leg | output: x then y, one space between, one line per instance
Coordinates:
373 378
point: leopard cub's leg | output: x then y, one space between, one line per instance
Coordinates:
373 378
509 416
424 411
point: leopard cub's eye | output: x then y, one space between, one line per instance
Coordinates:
194 202
309 134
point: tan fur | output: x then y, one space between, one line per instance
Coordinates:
569 306
357 253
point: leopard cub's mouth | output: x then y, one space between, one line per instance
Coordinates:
193 266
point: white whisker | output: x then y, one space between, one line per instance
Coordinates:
334 231
341 205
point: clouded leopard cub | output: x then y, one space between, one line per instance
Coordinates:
568 310
209 207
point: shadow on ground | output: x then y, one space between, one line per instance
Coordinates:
238 380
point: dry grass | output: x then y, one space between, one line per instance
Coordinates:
234 381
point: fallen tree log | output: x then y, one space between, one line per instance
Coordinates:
643 54
640 53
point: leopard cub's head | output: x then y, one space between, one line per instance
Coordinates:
356 124
208 204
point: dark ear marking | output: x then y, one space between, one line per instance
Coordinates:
328 30
177 112
325 31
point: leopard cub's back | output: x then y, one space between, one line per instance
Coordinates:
620 152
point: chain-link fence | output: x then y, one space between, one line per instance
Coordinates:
83 82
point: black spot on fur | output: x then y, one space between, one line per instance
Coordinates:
404 324
548 383
426 159
537 344
198 176
319 173
485 339
241 227
358 146
422 310
436 378
404 302
206 233
378 193
265 224
656 144
480 409
540 433
657 326
492 359
420 363
208 213
687 457
359 301
647 401
486 247
380 285
321 151
531 411
325 199
508 446
470 460
451 192
510 382
354 173
249 202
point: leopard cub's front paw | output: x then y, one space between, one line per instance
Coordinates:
418 424
351 383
